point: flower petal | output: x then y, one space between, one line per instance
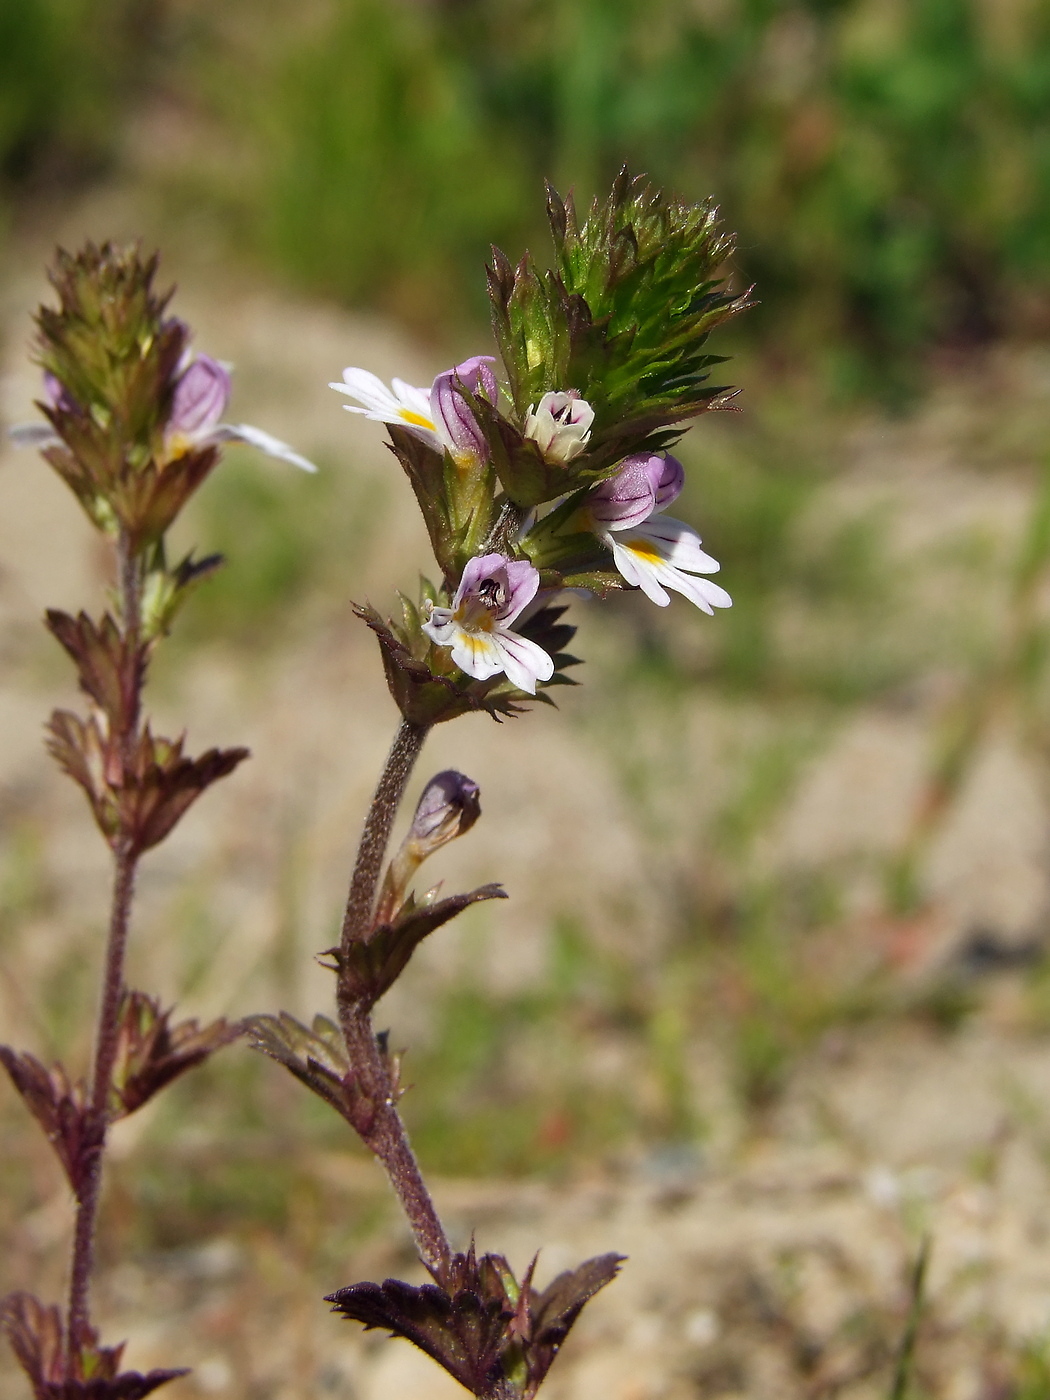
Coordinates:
678 543
638 567
265 442
524 662
523 580
33 435
200 397
402 404
479 654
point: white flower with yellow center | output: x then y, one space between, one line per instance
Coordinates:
653 554
476 628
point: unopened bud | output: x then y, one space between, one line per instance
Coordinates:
560 425
449 807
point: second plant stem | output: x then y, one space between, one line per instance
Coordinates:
107 1032
105 1054
384 1134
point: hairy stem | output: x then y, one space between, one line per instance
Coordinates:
105 1055
381 1129
408 741
386 1137
107 1030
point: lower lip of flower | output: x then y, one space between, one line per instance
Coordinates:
416 419
646 551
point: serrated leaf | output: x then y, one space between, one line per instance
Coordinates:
368 968
91 1372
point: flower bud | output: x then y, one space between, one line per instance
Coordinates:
449 807
560 425
456 425
200 397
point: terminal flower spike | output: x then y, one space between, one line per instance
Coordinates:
493 591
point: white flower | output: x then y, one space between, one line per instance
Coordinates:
438 416
662 554
653 553
402 404
198 403
560 425
491 594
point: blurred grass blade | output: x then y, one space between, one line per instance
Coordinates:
906 1355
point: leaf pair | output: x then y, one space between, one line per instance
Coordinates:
494 1336
87 1371
151 1052
137 797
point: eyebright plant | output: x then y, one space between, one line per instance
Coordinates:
557 479
133 426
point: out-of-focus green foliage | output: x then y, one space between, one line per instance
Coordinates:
886 163
66 68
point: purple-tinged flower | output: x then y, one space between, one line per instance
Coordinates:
560 425
201 394
43 435
449 806
491 594
653 554
56 393
438 416
454 423
198 403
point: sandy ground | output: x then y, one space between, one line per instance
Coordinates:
772 1262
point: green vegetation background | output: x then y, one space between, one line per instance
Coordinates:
886 162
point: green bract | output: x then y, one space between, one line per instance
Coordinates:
623 319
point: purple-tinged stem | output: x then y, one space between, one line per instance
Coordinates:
384 1132
408 742
386 1137
107 1031
105 1054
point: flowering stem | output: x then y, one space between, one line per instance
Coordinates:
408 742
105 1055
381 1128
107 1031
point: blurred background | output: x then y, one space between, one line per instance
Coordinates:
770 998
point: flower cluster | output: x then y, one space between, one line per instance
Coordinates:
561 482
